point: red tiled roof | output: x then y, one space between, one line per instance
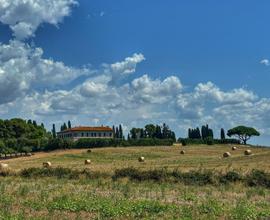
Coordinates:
88 129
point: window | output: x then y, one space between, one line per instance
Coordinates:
87 134
110 134
104 134
99 134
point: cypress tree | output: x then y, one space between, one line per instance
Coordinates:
54 131
198 133
158 132
141 133
222 134
64 126
113 131
120 132
35 123
117 132
69 125
189 133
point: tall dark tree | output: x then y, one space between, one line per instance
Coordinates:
54 131
222 134
142 133
29 122
189 133
35 123
198 133
114 135
158 133
64 126
42 125
116 132
120 132
69 125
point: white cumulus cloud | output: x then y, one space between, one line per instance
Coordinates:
25 16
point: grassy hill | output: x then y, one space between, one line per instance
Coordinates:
101 197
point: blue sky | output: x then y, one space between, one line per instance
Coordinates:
183 62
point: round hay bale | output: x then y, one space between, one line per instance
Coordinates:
234 148
141 159
87 162
248 152
3 166
227 154
89 151
47 164
182 152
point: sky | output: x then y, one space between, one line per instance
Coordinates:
100 62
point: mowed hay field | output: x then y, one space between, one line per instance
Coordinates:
105 198
110 159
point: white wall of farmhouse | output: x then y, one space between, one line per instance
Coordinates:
85 134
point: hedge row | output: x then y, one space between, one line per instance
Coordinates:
57 143
208 141
254 178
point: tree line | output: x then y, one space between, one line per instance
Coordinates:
18 135
206 135
152 131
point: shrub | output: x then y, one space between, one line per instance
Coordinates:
58 143
60 172
194 177
229 177
258 178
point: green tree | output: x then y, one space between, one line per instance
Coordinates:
69 125
243 133
114 135
54 131
35 123
65 127
116 132
150 130
158 133
120 132
222 134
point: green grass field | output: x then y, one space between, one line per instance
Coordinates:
104 198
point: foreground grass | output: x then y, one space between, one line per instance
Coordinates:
51 198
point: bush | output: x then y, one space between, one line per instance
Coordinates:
258 178
60 172
93 143
194 177
135 174
230 177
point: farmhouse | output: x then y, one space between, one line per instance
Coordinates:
86 132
